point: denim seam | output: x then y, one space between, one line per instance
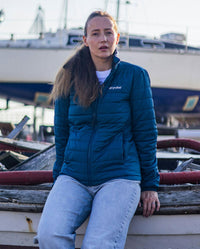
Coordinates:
125 218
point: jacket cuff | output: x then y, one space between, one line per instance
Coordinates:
149 189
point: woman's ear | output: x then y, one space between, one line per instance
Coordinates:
117 41
85 40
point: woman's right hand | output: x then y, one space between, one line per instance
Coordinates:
150 202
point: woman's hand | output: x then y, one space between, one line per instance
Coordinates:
150 202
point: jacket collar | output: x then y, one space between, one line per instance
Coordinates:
110 78
115 62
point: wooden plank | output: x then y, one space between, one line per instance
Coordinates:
15 145
10 158
173 201
20 247
25 196
18 128
39 161
17 247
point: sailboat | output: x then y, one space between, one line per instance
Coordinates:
29 66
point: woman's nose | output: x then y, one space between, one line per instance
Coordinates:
103 37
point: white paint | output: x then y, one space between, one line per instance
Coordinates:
156 232
166 69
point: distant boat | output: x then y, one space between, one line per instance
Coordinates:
29 66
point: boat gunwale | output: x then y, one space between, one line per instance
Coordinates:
135 49
175 199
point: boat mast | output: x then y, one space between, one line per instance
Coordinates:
106 5
2 16
38 25
65 14
117 14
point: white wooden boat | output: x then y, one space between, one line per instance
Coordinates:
176 225
174 70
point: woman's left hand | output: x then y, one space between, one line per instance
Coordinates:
150 202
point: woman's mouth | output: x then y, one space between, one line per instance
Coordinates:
103 48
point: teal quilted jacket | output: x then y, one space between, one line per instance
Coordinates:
113 138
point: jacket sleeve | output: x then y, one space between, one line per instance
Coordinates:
61 130
144 129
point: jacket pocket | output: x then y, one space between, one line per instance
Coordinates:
76 149
71 146
112 151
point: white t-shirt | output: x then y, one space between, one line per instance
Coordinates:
102 75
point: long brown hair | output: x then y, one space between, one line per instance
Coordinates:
79 71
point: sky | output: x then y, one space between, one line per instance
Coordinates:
141 17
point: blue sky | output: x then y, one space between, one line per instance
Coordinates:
144 17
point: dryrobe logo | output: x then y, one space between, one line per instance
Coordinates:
115 87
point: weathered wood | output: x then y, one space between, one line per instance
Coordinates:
10 158
174 200
17 247
18 128
37 208
178 198
44 186
39 161
25 196
21 146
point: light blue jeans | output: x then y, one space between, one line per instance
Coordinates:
111 207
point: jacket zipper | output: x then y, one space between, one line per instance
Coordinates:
89 159
94 119
107 83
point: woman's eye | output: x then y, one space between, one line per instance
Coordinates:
109 33
94 34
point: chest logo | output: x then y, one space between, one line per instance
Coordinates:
115 87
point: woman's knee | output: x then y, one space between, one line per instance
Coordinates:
55 236
45 236
50 240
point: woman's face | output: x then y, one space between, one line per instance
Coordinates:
101 38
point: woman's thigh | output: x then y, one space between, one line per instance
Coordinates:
66 208
113 208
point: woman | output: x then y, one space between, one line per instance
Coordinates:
105 135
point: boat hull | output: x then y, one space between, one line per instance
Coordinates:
167 101
176 225
158 231
167 68
27 74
